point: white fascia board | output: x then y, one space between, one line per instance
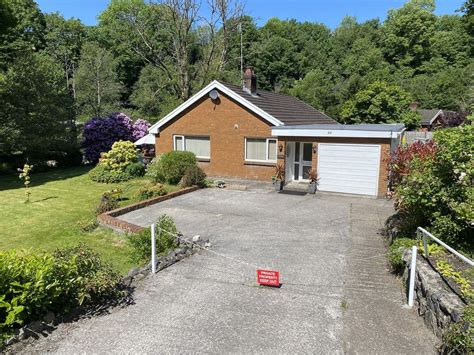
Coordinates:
214 85
333 133
435 116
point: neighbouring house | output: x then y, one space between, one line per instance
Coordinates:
433 119
244 132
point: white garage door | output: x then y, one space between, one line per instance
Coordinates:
349 168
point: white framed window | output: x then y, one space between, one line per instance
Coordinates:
261 150
199 145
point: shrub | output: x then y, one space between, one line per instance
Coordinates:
140 243
122 154
33 284
170 167
194 176
437 191
150 190
108 202
135 169
399 163
140 129
101 174
101 133
459 338
395 253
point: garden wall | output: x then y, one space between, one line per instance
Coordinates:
434 300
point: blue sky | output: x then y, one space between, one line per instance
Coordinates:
328 12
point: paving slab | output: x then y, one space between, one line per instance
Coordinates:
337 294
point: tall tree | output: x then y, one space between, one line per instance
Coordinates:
98 89
64 39
407 33
36 115
380 103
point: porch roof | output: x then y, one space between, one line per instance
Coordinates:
341 130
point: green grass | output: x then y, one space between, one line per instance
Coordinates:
61 200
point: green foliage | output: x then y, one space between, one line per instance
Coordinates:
149 190
36 114
108 201
438 192
459 338
395 253
140 243
33 284
122 154
194 176
118 164
98 89
170 167
380 102
447 270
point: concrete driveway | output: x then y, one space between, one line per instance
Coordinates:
337 295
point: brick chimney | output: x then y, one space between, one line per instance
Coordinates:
414 106
250 81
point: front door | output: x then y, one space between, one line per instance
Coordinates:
298 161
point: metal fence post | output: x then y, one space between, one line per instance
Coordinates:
153 249
425 246
411 290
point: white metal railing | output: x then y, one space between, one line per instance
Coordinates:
427 235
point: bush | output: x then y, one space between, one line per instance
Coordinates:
459 338
33 284
122 154
108 201
101 133
150 190
437 191
119 164
135 169
140 243
170 167
194 176
101 174
395 253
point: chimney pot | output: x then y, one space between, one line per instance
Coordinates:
250 81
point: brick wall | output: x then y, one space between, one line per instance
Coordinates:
384 156
227 124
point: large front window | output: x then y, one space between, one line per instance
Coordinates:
261 149
200 146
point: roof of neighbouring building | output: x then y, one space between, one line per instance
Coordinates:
287 109
427 116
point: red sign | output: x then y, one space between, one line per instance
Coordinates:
268 278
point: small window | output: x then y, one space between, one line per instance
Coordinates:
260 149
200 146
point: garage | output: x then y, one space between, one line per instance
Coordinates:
349 168
349 159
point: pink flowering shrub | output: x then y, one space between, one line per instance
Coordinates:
140 129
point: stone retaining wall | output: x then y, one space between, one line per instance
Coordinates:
434 300
109 219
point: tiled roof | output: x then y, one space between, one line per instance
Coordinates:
285 108
427 115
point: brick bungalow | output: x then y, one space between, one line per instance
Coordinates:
243 132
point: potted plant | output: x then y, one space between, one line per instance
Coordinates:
279 177
313 181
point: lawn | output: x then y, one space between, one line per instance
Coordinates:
61 202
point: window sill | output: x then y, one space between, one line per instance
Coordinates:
259 163
203 160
